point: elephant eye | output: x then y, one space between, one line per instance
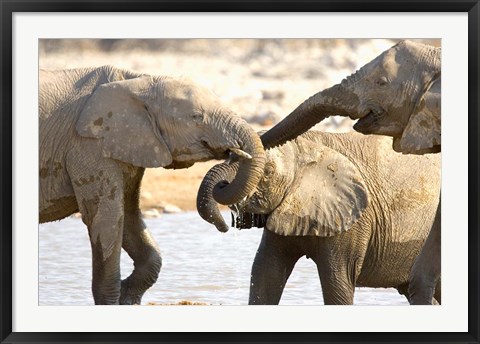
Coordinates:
382 81
269 169
198 116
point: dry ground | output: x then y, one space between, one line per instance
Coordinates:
162 187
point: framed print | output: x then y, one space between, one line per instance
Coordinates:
313 129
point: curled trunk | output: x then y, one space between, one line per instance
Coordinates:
249 170
206 205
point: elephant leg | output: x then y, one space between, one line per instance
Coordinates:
98 188
438 292
339 263
337 286
403 290
426 270
338 272
141 247
273 264
105 232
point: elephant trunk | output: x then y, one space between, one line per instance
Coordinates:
336 100
206 205
250 166
228 190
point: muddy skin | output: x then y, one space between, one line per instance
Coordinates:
359 210
99 129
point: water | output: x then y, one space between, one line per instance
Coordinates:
200 264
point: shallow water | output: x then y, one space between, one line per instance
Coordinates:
199 264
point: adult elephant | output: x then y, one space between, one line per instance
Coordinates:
99 129
396 94
357 208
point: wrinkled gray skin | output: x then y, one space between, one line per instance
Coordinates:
426 272
397 94
361 211
99 129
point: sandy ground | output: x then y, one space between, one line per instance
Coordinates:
170 189
262 80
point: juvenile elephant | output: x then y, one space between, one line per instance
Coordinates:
396 94
99 129
347 201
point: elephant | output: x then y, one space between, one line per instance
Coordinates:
358 209
99 129
396 94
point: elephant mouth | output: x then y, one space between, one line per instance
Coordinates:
243 218
222 153
397 147
369 123
216 153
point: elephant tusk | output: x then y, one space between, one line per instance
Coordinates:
241 153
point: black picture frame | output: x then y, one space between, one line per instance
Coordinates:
8 7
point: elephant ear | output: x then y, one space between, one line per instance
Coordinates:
423 131
327 197
117 114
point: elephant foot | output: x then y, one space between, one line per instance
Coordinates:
423 297
105 301
126 299
128 296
